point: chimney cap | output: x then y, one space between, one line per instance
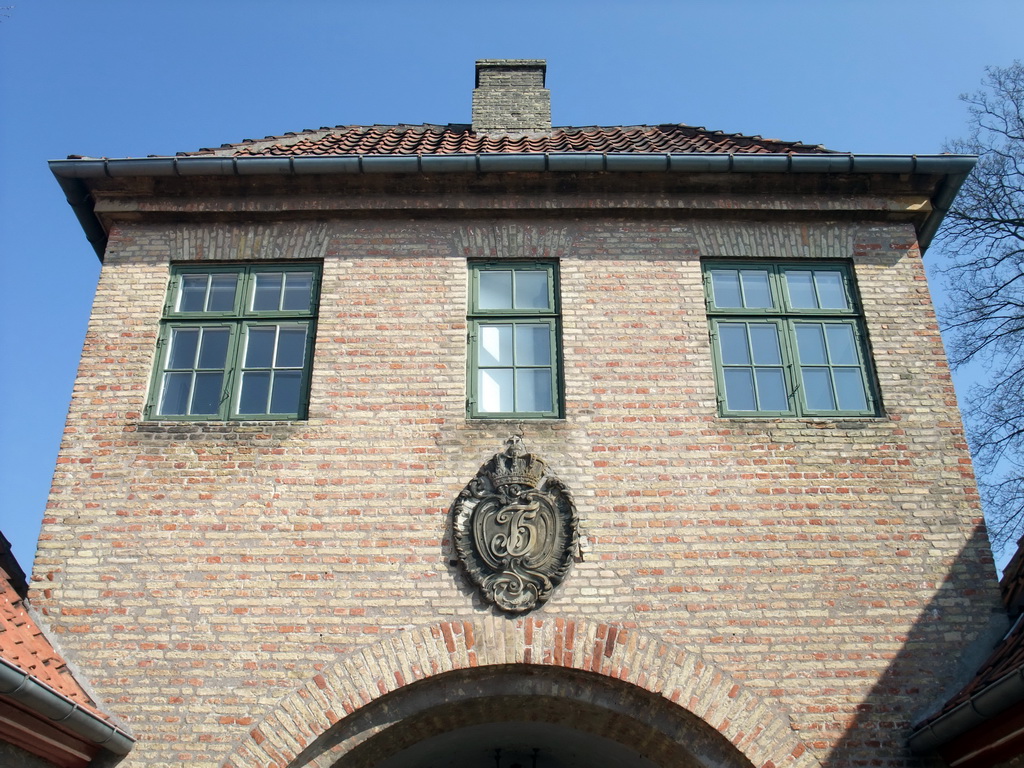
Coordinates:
535 64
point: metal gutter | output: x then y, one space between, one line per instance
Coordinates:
42 700
73 174
990 701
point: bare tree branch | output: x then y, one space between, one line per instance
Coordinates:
982 242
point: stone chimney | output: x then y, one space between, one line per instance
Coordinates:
510 97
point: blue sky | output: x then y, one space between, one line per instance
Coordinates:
124 78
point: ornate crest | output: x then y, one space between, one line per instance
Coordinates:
514 528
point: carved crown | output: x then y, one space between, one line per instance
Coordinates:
514 465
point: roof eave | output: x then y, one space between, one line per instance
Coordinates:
49 705
988 704
983 706
74 174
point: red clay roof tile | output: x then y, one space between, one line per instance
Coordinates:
456 139
23 644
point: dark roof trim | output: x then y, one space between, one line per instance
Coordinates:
983 705
9 564
74 173
42 700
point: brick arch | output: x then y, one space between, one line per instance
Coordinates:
750 723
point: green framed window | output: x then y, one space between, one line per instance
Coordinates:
236 342
788 340
514 337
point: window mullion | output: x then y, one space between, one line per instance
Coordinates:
224 409
306 376
780 299
209 289
273 356
554 357
242 300
791 364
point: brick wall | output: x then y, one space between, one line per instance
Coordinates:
200 573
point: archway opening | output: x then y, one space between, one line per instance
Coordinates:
525 716
518 744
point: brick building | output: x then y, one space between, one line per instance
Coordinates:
500 444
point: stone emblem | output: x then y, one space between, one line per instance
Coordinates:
515 529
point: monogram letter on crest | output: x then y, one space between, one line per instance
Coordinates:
515 528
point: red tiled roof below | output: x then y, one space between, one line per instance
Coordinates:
1007 658
991 743
1008 655
460 139
44 738
23 644
1012 583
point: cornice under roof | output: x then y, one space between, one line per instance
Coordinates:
945 173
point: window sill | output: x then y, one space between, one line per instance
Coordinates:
514 419
813 422
172 427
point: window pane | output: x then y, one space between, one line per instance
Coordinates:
533 345
771 390
533 389
255 388
266 297
725 285
756 293
495 345
285 397
183 348
801 289
495 289
818 389
831 292
291 347
842 347
764 341
732 337
174 398
739 390
298 289
495 390
531 289
206 396
192 297
259 347
222 293
214 350
811 343
850 389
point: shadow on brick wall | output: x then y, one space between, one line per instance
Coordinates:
954 633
